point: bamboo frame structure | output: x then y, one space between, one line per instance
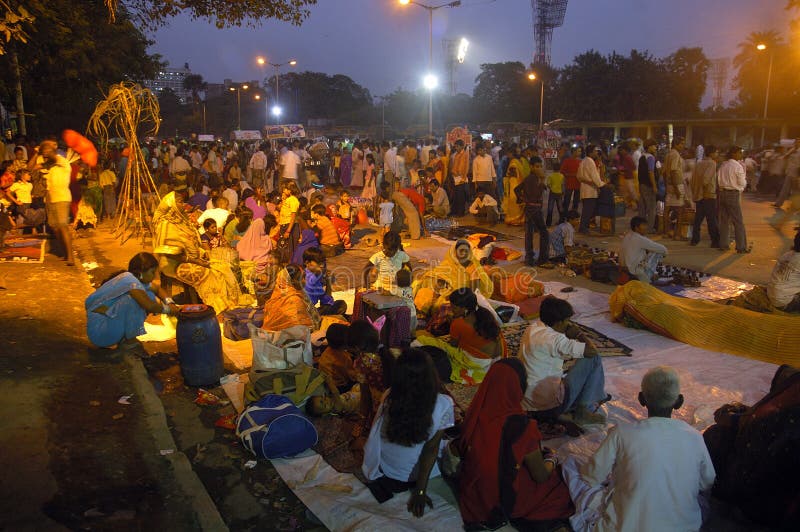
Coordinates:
127 108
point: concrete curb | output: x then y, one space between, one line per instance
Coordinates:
205 510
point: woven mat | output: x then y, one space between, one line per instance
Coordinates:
23 250
608 347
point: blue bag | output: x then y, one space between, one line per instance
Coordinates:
273 427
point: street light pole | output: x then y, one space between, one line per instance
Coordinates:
766 96
238 104
541 107
430 10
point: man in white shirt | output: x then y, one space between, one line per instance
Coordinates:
591 181
483 170
440 207
231 195
389 163
179 168
783 288
219 213
484 207
546 344
258 167
660 469
732 182
290 165
57 172
639 254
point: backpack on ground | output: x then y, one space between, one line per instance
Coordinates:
273 427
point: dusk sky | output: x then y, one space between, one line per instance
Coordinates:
383 45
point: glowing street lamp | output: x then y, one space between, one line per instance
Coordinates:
430 10
430 82
761 47
262 62
532 77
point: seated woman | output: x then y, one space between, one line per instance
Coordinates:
506 474
116 311
236 227
754 451
257 244
404 441
289 305
474 328
459 269
176 243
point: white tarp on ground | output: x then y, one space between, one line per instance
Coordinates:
708 379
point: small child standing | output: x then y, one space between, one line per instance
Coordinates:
387 262
386 208
403 289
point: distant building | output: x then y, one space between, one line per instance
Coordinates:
171 78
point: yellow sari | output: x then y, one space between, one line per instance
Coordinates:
433 288
176 243
515 214
289 306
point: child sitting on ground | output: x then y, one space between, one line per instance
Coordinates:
212 238
85 218
403 289
318 286
336 364
387 262
329 241
562 237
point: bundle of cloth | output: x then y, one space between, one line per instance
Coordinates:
708 325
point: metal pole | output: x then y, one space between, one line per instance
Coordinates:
430 71
239 108
766 97
277 91
541 107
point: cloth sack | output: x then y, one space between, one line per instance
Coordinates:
235 321
273 427
280 349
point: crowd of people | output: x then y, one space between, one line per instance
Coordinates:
238 233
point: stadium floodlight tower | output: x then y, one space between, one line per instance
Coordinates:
547 15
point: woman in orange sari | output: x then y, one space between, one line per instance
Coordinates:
289 305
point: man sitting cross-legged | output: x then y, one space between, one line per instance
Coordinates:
658 466
544 347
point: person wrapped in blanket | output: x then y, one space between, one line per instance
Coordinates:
459 269
116 311
257 257
754 451
340 214
506 474
177 245
289 305
405 439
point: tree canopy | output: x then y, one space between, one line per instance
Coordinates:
72 57
223 13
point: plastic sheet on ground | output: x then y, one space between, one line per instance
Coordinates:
708 379
238 353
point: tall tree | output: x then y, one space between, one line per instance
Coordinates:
72 57
319 95
503 93
753 70
687 70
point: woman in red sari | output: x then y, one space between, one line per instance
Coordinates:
505 475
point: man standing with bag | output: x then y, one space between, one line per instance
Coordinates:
704 192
